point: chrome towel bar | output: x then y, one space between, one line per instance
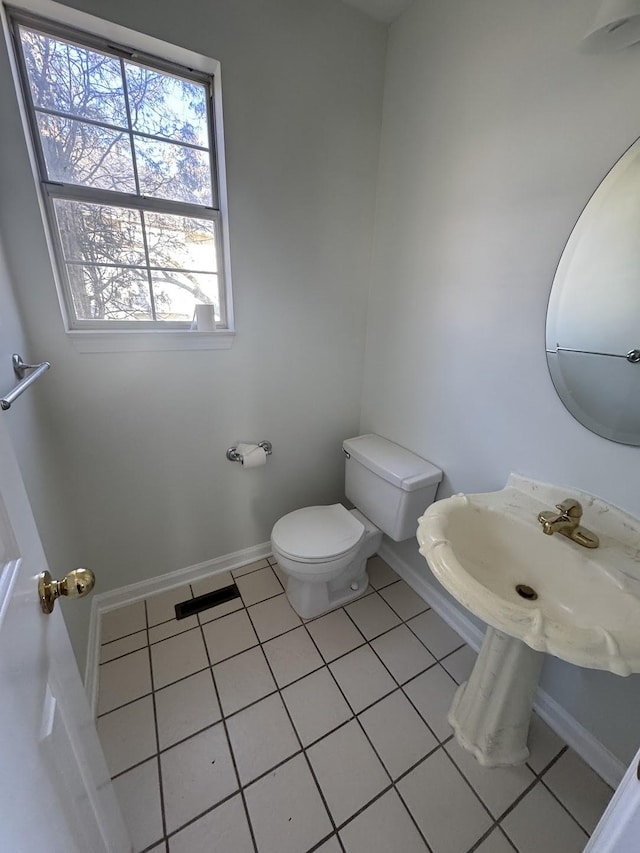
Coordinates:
20 370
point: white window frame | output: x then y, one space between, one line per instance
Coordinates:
131 339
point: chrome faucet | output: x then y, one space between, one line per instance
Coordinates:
568 523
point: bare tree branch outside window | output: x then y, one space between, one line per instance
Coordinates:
114 135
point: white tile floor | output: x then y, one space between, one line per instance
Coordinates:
246 730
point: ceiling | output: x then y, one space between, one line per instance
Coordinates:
382 10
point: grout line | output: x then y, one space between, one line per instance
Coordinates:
259 641
366 735
395 680
494 820
416 635
494 828
405 619
324 841
549 764
498 820
157 845
405 773
392 787
184 630
260 600
559 801
173 619
378 796
402 693
124 636
229 746
197 817
439 661
225 660
124 704
134 766
449 655
389 583
212 725
246 574
540 773
299 739
173 589
419 674
210 621
119 657
516 802
502 832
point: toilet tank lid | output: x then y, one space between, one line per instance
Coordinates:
393 463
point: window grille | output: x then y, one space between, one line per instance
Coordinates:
125 148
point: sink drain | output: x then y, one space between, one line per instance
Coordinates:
527 592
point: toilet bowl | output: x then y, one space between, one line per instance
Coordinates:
323 550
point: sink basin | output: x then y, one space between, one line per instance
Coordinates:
587 610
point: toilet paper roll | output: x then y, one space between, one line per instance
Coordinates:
252 455
205 318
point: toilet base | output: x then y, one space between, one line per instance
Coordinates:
313 599
311 594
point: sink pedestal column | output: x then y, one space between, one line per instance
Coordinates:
490 713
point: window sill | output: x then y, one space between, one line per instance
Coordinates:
131 341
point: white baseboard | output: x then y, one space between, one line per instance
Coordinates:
105 601
588 747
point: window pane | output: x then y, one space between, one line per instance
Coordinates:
181 242
99 233
117 137
73 79
163 105
176 294
80 153
109 293
167 170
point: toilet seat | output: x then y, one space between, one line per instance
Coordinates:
317 534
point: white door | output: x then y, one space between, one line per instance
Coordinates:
55 792
619 828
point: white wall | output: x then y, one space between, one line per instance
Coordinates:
496 130
142 438
29 428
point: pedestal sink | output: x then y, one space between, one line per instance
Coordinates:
537 594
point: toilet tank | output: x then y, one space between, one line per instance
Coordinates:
388 484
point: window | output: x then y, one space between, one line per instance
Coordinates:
126 159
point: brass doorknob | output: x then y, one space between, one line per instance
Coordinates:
75 584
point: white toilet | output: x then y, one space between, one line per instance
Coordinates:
323 550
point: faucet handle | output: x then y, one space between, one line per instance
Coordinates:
570 508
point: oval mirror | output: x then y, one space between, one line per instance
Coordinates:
593 318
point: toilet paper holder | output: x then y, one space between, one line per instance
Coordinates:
234 456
